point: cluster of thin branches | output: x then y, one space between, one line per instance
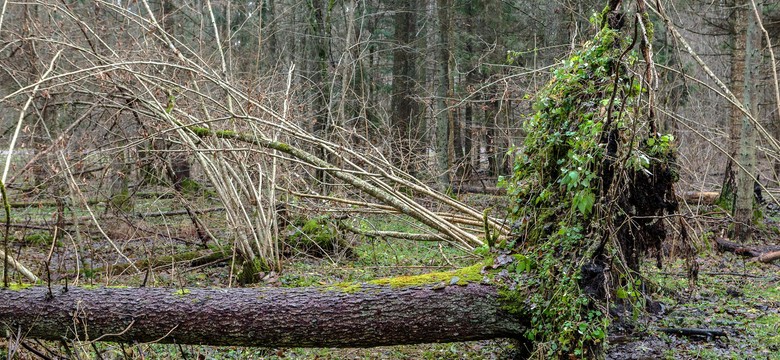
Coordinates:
104 96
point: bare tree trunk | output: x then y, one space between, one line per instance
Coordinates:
468 152
320 33
739 28
743 206
359 316
405 110
444 122
491 110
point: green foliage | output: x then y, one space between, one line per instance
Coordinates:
581 136
317 230
724 297
18 286
190 186
38 238
250 271
317 235
200 131
182 292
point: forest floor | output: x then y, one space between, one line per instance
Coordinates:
739 298
732 295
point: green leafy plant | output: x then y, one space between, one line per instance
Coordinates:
584 170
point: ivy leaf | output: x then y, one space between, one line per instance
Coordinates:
621 293
584 201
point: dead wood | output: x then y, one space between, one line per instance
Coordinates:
187 259
700 197
707 333
765 254
768 256
690 197
469 189
178 212
363 316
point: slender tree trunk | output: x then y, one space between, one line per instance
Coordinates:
271 23
457 140
472 22
739 28
743 206
677 91
319 25
444 122
468 152
363 316
405 110
490 134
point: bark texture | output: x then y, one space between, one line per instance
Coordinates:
270 317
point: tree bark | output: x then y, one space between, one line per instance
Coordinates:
765 254
405 109
738 29
319 24
444 123
372 315
743 205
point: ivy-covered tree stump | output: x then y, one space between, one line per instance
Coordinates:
591 186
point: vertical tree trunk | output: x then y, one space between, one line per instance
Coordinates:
743 209
490 133
269 18
677 91
738 28
468 153
320 33
405 110
444 122
473 26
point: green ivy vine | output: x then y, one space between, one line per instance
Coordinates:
572 189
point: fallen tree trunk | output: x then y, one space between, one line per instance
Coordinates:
768 256
764 254
700 197
350 316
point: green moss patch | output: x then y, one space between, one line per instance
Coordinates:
461 276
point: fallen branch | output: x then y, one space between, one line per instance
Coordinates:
12 263
178 212
739 249
392 234
469 189
193 258
708 333
398 201
700 197
764 254
768 257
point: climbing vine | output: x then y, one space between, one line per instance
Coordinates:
588 187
